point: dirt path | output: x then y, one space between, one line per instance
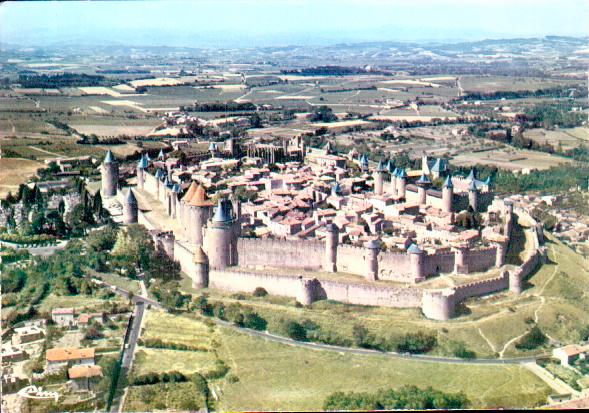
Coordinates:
44 151
536 311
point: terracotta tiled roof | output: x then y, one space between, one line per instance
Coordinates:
69 353
77 372
199 198
191 190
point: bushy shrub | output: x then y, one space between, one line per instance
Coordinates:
419 342
260 292
533 339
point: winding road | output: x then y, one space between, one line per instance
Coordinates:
326 347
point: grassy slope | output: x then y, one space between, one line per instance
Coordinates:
275 376
492 323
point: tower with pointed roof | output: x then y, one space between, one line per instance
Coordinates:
141 168
473 195
423 184
447 195
201 269
220 238
401 183
130 208
379 178
109 172
199 210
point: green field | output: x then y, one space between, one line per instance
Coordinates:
272 376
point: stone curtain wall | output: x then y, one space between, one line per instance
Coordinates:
394 266
440 262
481 259
291 286
352 259
255 252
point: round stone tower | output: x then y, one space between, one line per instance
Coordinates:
379 178
130 208
500 255
372 250
401 182
331 241
515 283
417 260
473 195
460 259
306 293
110 175
447 194
422 184
141 167
201 269
200 208
438 304
394 181
219 238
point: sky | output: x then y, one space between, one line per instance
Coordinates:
254 23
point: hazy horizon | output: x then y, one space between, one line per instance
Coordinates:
248 23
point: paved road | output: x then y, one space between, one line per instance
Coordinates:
133 335
348 350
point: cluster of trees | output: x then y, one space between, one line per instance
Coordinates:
235 313
554 92
551 115
165 377
63 80
407 397
418 342
531 340
323 114
230 106
329 71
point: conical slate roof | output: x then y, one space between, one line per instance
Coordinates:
488 181
159 174
161 154
423 180
223 213
448 182
336 189
402 173
472 186
212 146
414 249
143 163
472 176
439 166
130 198
199 198
390 166
380 166
176 188
109 158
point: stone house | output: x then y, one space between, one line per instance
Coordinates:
63 317
68 356
84 377
568 354
26 335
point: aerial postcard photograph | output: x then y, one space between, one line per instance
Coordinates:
294 205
